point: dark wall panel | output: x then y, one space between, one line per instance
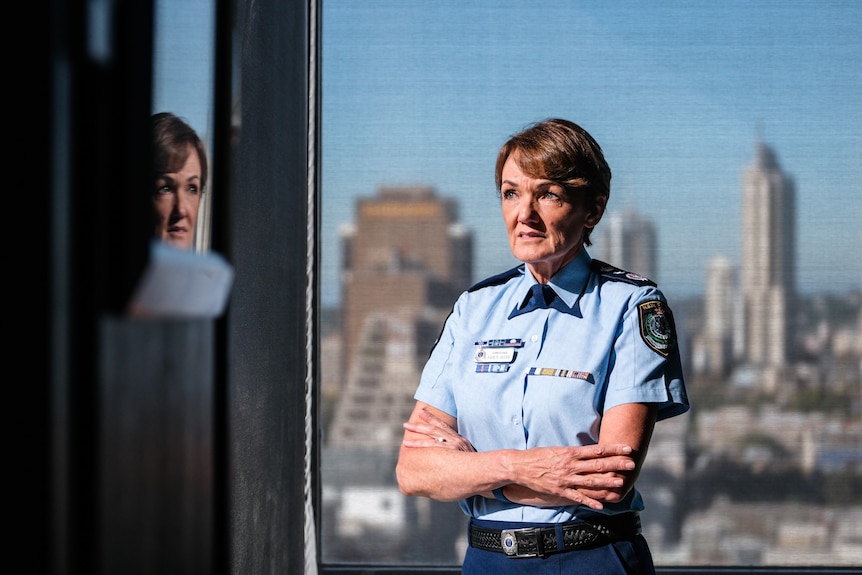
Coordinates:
267 319
155 480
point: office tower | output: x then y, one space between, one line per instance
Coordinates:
406 258
721 317
768 260
406 252
628 240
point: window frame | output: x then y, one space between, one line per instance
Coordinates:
315 397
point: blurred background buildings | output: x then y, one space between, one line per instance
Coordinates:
766 469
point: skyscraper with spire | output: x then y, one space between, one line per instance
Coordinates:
768 264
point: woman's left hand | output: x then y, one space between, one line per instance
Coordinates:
437 433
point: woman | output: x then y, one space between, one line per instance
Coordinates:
537 404
180 171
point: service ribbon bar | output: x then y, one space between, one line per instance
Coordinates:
492 367
585 375
513 342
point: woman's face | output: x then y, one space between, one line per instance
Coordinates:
176 201
545 225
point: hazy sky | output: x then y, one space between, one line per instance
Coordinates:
183 61
676 92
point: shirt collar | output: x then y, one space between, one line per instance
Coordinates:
568 283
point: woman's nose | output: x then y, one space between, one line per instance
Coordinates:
527 210
181 203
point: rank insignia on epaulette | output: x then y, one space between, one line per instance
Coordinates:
657 327
610 272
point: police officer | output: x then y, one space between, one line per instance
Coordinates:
537 404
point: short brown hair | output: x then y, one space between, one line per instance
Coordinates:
564 153
171 140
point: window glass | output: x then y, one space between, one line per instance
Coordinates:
183 77
732 130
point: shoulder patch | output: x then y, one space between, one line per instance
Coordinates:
499 279
613 273
657 327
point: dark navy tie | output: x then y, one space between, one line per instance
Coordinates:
542 297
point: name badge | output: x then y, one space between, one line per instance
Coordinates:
495 355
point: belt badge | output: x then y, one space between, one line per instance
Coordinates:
509 542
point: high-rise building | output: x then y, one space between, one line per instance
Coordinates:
406 258
721 319
768 260
627 240
406 252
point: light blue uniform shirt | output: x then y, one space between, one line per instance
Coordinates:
545 377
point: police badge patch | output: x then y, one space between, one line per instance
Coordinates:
657 327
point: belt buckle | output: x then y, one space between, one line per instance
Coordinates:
509 542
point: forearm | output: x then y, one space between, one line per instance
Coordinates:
544 476
632 424
449 475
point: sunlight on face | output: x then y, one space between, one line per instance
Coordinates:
545 225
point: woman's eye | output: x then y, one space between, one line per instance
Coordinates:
508 194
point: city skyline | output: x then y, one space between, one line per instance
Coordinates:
678 95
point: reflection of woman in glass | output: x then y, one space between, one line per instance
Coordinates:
537 404
180 174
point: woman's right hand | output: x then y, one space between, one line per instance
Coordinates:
553 476
437 434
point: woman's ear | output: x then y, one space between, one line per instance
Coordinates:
596 211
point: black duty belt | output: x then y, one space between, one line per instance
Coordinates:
541 541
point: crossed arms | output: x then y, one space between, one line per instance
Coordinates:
539 476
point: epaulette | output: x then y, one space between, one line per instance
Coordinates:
613 273
499 279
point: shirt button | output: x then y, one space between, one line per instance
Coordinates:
516 421
534 338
